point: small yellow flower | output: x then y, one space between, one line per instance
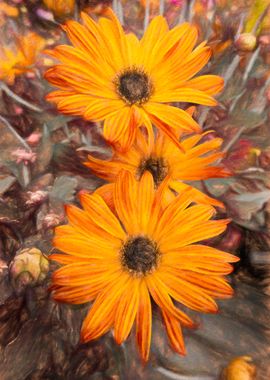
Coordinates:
18 59
6 11
60 8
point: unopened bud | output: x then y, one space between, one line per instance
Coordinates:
246 42
35 197
264 159
240 368
51 220
29 267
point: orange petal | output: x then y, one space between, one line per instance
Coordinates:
84 274
100 109
189 95
188 294
174 333
101 316
159 292
195 232
121 127
144 322
91 248
175 117
78 295
145 199
215 286
106 192
211 84
197 195
125 194
126 311
101 214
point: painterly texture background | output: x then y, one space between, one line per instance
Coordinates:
41 169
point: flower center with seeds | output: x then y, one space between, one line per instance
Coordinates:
157 166
140 255
134 86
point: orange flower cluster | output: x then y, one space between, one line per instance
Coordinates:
19 59
136 239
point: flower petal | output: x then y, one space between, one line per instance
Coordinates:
174 333
144 322
101 215
175 117
126 311
101 316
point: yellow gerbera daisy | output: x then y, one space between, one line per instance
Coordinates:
165 162
122 260
112 76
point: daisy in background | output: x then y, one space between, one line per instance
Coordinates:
141 253
166 163
19 59
112 76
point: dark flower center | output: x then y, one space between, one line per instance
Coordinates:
157 166
134 86
140 255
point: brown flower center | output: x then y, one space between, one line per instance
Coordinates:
134 86
157 166
140 255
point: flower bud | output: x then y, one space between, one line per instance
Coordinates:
35 197
264 159
29 267
246 42
240 368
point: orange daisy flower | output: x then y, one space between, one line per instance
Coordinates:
142 252
165 162
19 59
112 76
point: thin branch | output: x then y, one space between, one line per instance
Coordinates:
233 140
17 98
259 20
12 130
183 12
231 68
147 14
251 64
161 7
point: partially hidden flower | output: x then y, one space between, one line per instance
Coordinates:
97 7
112 76
36 197
166 163
60 8
152 3
141 253
156 3
24 156
19 58
6 11
34 138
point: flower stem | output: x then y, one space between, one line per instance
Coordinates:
17 98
